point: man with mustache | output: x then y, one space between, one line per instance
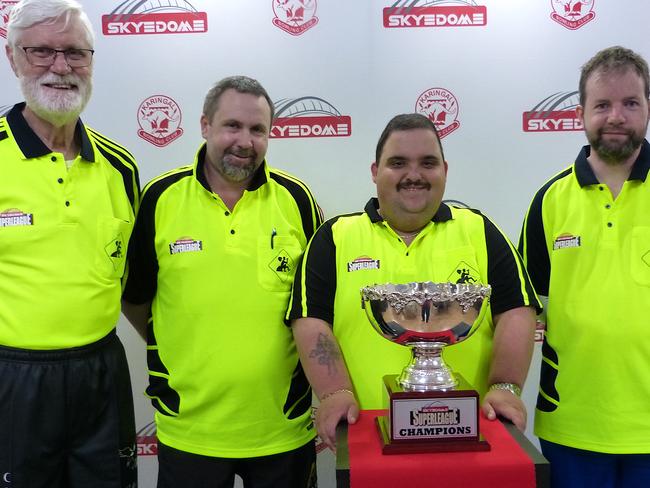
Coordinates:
408 234
586 243
212 260
68 198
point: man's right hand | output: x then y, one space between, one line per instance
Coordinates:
336 407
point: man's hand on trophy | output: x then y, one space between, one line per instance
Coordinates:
334 407
505 403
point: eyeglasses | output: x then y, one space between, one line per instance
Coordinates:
46 56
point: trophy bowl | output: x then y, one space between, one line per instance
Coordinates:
427 317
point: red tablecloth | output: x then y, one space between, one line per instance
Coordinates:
505 466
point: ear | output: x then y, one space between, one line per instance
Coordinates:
446 168
580 113
205 123
373 171
10 56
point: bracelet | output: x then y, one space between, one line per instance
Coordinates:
332 393
511 387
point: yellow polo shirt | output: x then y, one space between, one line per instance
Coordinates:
63 236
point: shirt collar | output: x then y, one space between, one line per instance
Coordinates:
259 178
31 145
585 175
372 209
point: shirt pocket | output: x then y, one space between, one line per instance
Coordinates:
640 255
112 238
277 262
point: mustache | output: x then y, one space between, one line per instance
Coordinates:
620 130
244 153
53 79
408 184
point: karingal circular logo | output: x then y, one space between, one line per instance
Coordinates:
441 107
159 117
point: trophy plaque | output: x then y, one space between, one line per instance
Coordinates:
430 408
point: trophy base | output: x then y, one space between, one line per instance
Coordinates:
422 446
430 421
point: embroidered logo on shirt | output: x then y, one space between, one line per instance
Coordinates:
115 250
282 266
363 262
15 218
463 274
566 240
185 244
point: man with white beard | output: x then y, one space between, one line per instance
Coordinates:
68 198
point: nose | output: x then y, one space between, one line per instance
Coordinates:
60 64
616 115
245 139
413 172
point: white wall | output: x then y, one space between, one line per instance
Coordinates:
496 72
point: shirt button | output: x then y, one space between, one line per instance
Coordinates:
60 180
226 213
608 206
609 224
600 188
67 204
232 231
53 158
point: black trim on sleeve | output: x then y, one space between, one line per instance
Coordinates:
532 241
305 201
141 283
505 271
319 266
129 174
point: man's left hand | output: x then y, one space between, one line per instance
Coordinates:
507 405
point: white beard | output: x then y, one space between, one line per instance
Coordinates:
57 108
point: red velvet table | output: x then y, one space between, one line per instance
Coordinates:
513 462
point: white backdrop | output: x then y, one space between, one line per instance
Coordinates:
339 72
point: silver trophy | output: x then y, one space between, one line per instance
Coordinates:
428 317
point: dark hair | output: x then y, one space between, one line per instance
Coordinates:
241 84
406 122
614 59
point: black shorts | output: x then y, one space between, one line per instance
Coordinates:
66 418
292 469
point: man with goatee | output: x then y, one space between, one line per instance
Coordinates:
68 198
586 242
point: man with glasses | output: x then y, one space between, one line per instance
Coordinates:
68 198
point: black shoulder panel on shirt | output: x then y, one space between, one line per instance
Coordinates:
142 278
307 207
532 241
123 162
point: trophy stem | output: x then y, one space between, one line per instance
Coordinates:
427 370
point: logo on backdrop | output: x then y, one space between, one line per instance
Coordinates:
556 113
441 107
434 13
5 10
309 117
456 203
165 17
159 117
146 440
573 14
294 16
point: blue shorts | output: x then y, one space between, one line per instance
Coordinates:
575 468
66 418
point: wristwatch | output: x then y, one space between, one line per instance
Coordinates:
511 387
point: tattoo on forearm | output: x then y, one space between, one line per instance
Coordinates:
327 353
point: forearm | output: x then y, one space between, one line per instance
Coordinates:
512 347
321 356
138 315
